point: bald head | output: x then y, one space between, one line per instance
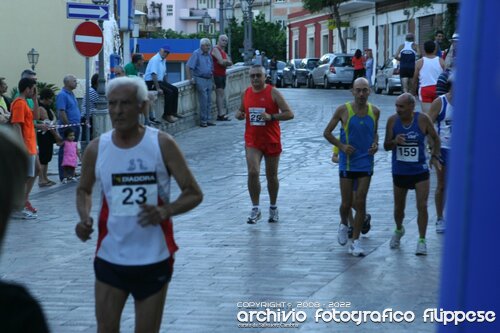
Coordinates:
360 82
406 98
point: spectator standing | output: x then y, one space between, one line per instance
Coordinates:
407 55
369 65
71 156
358 62
273 70
19 311
438 40
156 79
265 61
22 119
46 138
132 68
221 62
69 114
4 102
199 69
118 71
92 106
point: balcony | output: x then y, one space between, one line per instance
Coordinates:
355 6
192 14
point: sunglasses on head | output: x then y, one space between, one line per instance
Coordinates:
253 76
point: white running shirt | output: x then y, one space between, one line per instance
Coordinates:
430 71
130 177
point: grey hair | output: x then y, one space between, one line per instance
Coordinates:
223 36
67 78
136 82
205 41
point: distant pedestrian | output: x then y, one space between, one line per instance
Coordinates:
369 65
133 67
265 61
92 105
69 114
357 146
19 311
358 63
221 61
156 79
438 40
4 102
71 156
118 71
427 71
405 135
46 138
22 120
407 54
273 70
199 70
263 107
134 166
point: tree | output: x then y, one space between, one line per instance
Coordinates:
267 36
333 8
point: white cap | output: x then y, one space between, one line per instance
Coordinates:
455 36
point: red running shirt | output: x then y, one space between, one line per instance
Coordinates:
258 131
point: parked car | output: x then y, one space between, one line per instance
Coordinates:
303 73
289 73
387 78
279 75
333 69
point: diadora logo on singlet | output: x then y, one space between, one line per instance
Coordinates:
132 164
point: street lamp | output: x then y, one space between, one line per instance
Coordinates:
229 17
206 20
246 7
33 58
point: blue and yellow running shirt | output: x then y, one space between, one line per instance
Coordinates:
409 159
359 132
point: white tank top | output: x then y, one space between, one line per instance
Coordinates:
444 122
430 71
128 178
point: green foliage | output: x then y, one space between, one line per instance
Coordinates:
421 3
267 36
317 5
172 34
450 20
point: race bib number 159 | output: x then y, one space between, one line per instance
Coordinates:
407 153
131 190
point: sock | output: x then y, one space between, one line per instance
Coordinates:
273 206
255 207
421 240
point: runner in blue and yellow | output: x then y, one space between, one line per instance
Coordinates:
357 145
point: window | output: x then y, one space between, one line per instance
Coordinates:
280 0
211 28
170 10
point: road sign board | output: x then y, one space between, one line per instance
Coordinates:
88 39
83 11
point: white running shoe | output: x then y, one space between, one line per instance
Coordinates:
355 248
23 214
421 248
342 234
396 238
254 216
273 215
440 226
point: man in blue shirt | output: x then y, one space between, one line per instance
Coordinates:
68 114
199 70
155 78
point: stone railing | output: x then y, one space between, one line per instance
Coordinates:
237 81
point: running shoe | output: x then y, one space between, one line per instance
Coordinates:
366 225
440 226
421 247
396 238
355 248
23 215
273 215
30 208
254 216
342 234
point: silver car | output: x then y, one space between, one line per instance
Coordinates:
333 69
387 79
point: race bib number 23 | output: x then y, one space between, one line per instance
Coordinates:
130 191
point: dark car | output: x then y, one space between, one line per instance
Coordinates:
279 74
289 77
303 73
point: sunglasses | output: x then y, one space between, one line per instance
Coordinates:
253 76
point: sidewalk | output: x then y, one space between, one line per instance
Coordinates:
223 261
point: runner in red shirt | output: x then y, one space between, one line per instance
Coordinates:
263 107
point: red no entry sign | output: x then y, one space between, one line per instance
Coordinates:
88 39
